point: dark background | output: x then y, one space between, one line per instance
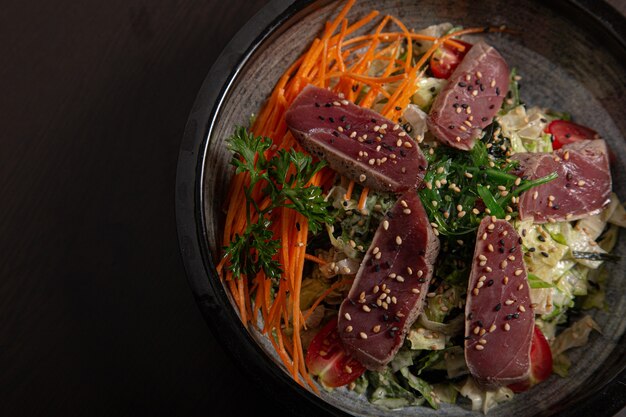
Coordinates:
96 317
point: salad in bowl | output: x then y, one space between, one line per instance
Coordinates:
402 226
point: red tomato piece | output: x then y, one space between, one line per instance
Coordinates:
540 362
564 132
445 59
327 359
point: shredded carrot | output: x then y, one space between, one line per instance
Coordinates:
363 199
325 294
314 259
349 191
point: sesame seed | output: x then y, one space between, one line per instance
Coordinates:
366 308
476 329
520 287
521 308
376 289
482 341
581 183
503 264
362 177
490 247
349 329
378 255
431 295
492 328
399 278
511 258
507 327
353 134
509 302
420 273
482 332
398 240
376 328
505 280
519 272
491 226
363 335
462 214
402 134
480 284
385 224
479 347
406 211
482 257
535 195
475 291
415 291
347 316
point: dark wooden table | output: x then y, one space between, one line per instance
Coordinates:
96 317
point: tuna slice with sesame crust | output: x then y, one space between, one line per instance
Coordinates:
356 142
471 99
499 319
583 186
388 291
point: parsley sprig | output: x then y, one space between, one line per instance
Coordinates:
284 178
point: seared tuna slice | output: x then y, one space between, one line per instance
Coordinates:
387 294
583 186
356 142
471 99
499 319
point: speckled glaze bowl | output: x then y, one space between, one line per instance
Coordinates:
572 56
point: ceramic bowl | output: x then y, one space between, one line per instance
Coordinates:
572 56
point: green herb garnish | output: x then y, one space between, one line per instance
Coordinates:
285 180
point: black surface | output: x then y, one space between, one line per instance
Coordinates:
96 317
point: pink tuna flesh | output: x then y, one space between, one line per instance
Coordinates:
357 142
471 99
388 291
499 319
583 186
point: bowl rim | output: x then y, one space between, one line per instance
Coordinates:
208 291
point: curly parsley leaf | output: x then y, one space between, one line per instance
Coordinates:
286 177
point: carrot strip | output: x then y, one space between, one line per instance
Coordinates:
314 259
325 294
349 191
363 199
